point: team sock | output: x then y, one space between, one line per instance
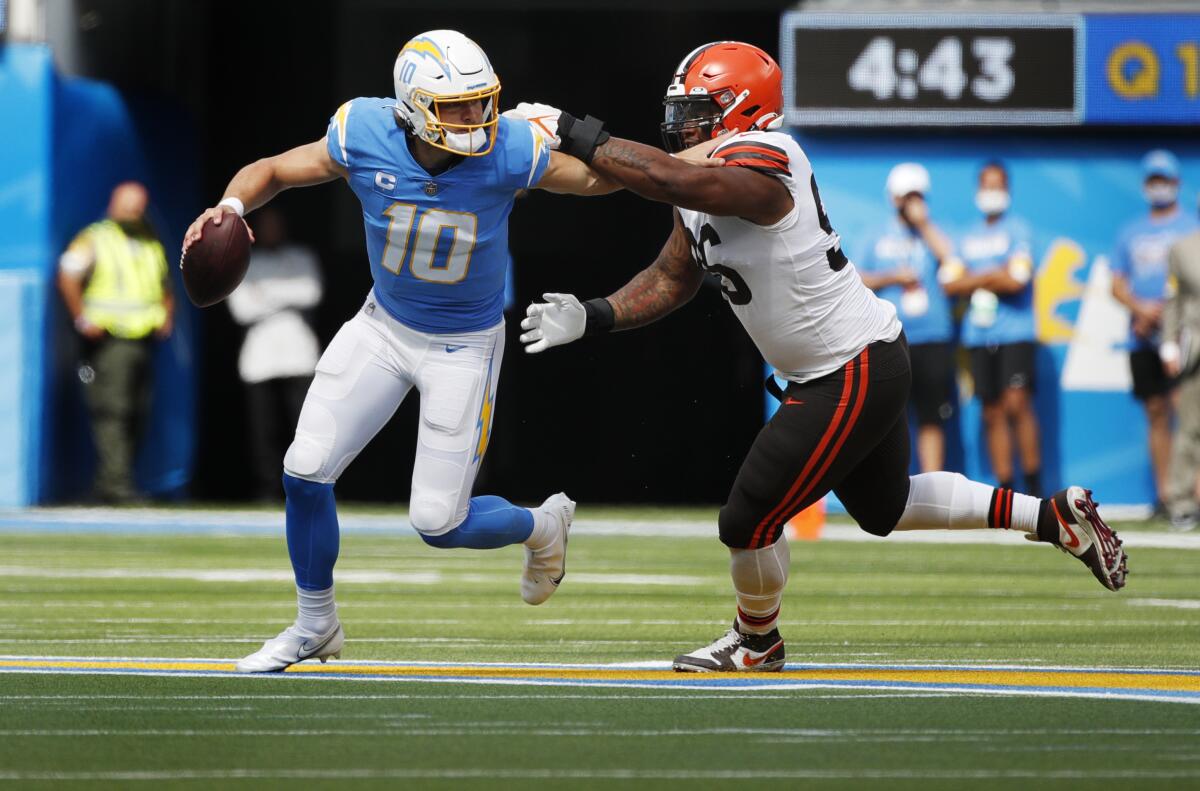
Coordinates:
759 577
491 522
316 610
312 532
950 501
1012 510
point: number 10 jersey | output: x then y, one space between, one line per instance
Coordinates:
802 302
438 244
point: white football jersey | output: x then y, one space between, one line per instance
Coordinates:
801 300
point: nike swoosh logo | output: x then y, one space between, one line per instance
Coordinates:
452 349
750 661
306 649
792 401
1063 522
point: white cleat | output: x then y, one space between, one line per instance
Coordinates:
293 645
546 567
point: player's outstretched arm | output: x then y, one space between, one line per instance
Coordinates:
656 175
671 281
568 176
259 182
668 283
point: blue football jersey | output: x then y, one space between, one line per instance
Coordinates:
1141 256
438 245
988 246
927 320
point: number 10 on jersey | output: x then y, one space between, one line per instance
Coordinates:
429 242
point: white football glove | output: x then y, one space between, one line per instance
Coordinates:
542 117
560 319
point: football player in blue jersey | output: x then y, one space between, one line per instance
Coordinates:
436 170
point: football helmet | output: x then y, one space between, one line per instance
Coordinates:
725 85
444 67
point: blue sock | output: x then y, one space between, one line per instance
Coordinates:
491 522
312 531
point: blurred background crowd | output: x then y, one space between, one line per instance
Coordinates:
1046 267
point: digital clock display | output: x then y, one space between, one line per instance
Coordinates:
915 70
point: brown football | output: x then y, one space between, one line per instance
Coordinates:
215 265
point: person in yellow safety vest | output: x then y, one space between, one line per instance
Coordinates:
114 281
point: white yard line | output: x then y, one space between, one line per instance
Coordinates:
529 773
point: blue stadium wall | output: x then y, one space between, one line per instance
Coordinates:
1076 194
67 143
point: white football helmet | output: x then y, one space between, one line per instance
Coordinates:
443 67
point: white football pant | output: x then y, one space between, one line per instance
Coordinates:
360 380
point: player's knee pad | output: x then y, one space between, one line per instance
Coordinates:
431 516
761 572
308 455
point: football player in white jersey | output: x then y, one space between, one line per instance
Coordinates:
759 225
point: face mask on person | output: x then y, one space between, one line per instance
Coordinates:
1160 196
992 202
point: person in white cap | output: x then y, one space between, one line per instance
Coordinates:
903 264
1140 284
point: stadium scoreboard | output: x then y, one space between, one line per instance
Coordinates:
1008 69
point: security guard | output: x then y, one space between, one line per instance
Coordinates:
113 278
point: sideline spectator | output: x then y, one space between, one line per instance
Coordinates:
280 351
1180 354
998 331
114 280
901 264
1140 284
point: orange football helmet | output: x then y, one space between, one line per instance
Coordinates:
725 85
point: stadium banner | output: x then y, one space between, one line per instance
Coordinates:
913 69
1075 194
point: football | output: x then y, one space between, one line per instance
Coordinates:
215 265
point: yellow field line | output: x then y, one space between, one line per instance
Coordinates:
1022 678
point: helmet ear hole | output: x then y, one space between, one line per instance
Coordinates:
751 110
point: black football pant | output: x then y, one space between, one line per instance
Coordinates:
845 432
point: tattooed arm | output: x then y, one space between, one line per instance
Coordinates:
671 281
722 191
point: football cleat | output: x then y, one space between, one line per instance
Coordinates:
293 645
1082 533
546 567
735 652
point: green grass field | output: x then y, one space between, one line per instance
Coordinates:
625 599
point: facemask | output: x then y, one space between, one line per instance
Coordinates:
992 202
1160 196
467 142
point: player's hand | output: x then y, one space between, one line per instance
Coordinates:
542 117
560 319
217 214
699 153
